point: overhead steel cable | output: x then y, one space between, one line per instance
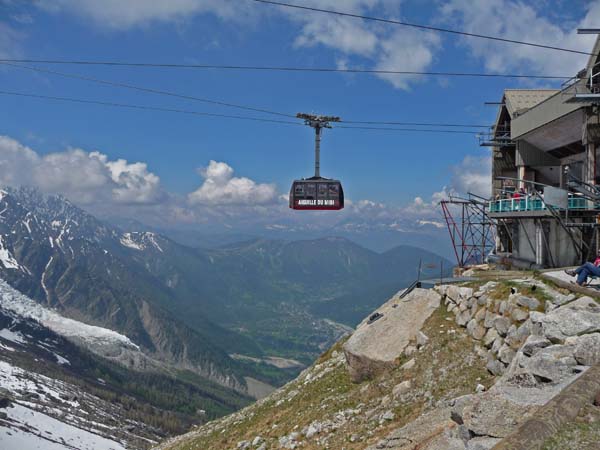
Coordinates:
426 130
249 108
148 90
145 107
205 114
417 124
423 27
278 68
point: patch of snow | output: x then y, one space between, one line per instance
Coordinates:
8 260
61 360
152 238
44 432
26 223
13 300
56 223
51 241
43 280
6 347
12 336
126 241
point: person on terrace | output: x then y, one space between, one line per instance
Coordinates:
586 270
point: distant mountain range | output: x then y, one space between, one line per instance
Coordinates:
192 308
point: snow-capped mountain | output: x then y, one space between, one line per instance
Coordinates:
66 259
47 410
56 394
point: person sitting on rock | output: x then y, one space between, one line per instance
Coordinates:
587 270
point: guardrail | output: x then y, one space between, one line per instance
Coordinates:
529 203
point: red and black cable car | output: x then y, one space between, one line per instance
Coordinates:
317 193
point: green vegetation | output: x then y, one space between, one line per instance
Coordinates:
446 368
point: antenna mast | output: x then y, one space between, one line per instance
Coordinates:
318 123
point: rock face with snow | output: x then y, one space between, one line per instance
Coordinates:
376 345
51 402
66 259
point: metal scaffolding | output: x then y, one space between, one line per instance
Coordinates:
472 231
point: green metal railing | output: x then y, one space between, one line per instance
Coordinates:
529 203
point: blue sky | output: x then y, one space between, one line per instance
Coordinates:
386 170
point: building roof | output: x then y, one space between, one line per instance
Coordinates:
520 100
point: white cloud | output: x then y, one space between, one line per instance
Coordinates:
123 14
473 175
220 187
84 177
521 21
356 43
407 50
398 48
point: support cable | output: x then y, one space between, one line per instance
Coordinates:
156 65
423 27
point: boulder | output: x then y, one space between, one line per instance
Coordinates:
408 364
491 414
502 324
587 349
490 337
423 432
517 336
574 319
375 347
476 330
480 315
503 306
401 388
463 318
519 315
458 294
552 364
497 345
527 302
488 321
584 303
533 344
506 354
495 367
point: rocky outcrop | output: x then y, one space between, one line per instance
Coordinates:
376 345
535 355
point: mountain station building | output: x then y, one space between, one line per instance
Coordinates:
545 172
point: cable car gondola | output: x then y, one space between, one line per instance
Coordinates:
317 193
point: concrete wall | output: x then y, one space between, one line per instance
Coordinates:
530 240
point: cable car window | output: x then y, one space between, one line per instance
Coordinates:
322 190
311 191
299 189
333 190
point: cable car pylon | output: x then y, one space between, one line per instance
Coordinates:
317 193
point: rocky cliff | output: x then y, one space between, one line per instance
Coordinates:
455 367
